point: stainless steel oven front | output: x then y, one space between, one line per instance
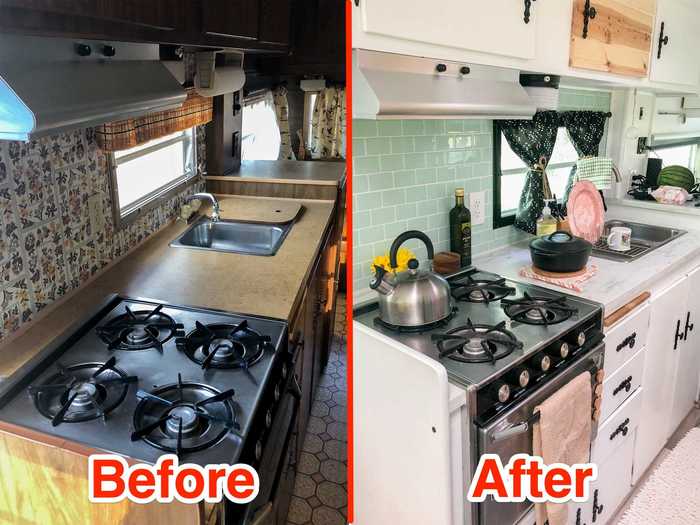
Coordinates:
511 433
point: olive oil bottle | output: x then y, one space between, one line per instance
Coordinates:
461 229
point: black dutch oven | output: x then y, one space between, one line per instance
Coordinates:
560 252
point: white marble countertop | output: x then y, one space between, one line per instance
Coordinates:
616 283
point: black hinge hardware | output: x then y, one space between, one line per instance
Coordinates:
626 385
589 13
663 40
528 5
597 509
630 341
622 429
357 3
680 336
688 326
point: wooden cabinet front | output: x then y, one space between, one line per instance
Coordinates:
275 23
230 18
613 36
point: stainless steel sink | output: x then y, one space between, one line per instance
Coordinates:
234 237
645 239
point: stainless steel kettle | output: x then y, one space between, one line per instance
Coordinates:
412 298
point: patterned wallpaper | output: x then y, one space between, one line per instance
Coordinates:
47 245
405 173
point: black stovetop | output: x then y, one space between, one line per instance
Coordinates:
162 364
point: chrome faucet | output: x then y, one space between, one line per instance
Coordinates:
215 210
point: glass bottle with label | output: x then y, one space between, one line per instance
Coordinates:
461 229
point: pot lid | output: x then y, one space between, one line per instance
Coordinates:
560 242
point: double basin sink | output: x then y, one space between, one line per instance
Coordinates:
234 236
645 239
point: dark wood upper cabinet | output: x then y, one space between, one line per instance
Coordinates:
274 21
164 15
231 18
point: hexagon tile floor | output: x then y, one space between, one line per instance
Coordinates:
320 494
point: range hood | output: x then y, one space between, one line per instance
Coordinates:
391 86
51 85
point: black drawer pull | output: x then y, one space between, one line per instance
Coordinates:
597 509
622 429
626 385
526 16
630 341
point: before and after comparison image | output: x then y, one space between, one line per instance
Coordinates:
369 262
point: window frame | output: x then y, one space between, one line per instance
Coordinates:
155 198
499 220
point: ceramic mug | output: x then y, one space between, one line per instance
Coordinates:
620 238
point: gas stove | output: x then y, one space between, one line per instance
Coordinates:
141 378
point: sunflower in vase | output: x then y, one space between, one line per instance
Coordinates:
402 257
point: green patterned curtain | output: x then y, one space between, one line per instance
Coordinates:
531 140
586 129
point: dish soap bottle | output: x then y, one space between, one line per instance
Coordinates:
546 224
461 229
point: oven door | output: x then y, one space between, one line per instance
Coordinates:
510 433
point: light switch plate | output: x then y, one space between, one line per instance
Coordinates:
477 203
97 218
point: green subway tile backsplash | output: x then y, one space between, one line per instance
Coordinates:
405 173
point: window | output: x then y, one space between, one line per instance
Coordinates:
261 134
510 171
147 172
677 155
309 104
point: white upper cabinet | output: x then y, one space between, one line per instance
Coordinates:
495 26
677 37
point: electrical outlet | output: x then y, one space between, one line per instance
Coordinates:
97 218
477 202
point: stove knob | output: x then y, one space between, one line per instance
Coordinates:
268 419
500 391
519 376
581 338
277 392
258 450
559 350
541 362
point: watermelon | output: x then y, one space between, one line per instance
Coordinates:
678 176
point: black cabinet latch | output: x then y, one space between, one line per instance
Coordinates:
589 13
630 341
528 5
622 429
625 385
663 40
688 326
597 509
680 336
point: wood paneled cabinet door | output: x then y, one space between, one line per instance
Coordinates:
499 27
686 355
668 310
231 18
613 36
275 21
675 43
167 15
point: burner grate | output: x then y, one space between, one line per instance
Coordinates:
140 330
82 392
224 345
184 417
477 343
538 310
480 288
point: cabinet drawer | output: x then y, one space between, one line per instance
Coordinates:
618 429
625 338
622 384
613 484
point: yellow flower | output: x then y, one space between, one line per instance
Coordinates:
402 257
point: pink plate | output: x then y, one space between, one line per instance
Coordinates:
585 211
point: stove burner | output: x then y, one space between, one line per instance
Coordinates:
538 310
139 330
415 329
224 345
477 343
480 288
184 417
81 392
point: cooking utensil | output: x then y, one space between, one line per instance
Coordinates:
585 211
412 298
560 252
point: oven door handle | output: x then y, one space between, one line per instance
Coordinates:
516 429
